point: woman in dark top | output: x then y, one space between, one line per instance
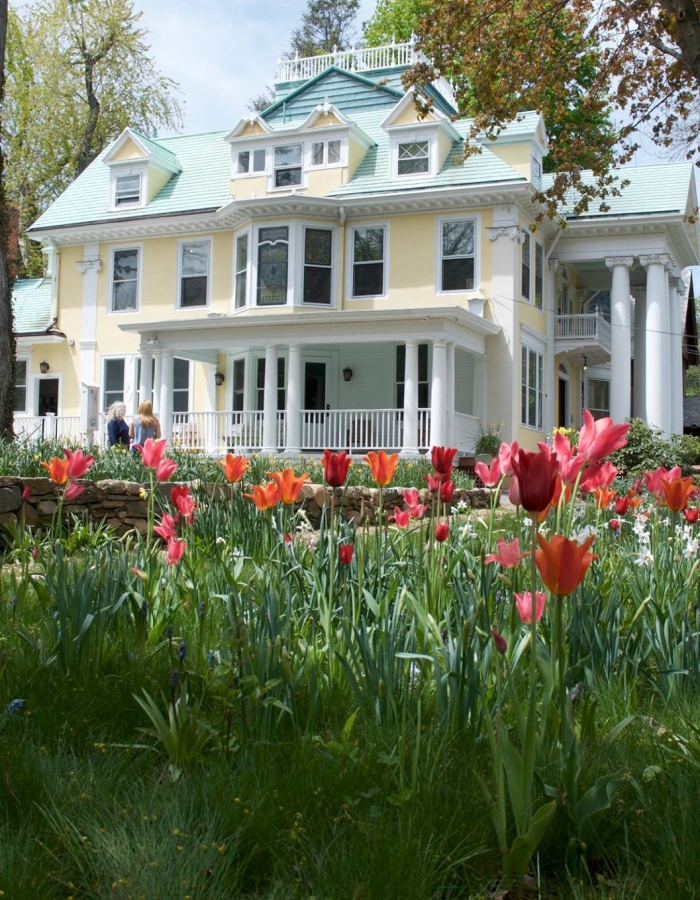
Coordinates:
117 429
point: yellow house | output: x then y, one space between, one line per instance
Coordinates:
333 273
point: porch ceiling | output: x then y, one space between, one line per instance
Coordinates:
466 329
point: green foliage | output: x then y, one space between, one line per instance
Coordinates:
692 381
324 25
394 20
647 449
489 441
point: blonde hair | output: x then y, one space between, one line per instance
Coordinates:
145 413
117 410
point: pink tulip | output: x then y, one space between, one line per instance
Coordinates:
411 497
508 554
653 479
433 482
176 548
151 452
447 491
499 641
489 475
570 463
166 469
523 603
598 439
78 463
514 491
401 517
506 454
72 491
26 493
183 502
166 529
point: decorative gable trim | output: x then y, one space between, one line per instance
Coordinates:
151 153
328 110
434 117
247 123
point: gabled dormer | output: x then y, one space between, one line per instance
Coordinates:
420 137
139 168
523 145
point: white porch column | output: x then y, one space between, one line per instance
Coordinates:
166 395
157 380
640 343
410 402
676 339
658 368
210 437
450 400
438 394
269 438
620 341
146 381
293 444
550 375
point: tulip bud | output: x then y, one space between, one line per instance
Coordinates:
499 641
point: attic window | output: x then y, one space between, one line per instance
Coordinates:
414 157
288 165
248 157
127 190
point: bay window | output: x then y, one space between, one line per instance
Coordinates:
318 249
241 271
368 261
273 265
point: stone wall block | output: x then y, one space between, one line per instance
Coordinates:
10 499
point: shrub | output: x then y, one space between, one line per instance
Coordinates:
647 449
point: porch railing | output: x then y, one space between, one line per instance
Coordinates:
58 428
466 432
301 68
583 327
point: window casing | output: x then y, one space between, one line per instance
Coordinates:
526 266
113 370
318 266
260 384
241 274
413 158
423 382
598 398
325 153
288 165
124 295
539 275
368 261
127 190
273 266
531 401
250 162
457 255
194 274
21 385
181 385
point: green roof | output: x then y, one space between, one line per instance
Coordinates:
31 305
158 152
204 183
652 189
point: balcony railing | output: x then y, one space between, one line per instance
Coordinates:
302 68
585 327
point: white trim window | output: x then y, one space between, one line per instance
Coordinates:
238 380
368 261
250 162
325 153
288 165
598 397
127 189
457 255
181 385
525 266
241 270
193 274
318 266
124 294
273 265
531 397
113 376
413 157
539 275
21 370
536 172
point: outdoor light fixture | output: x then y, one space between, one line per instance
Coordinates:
219 379
43 367
585 363
347 373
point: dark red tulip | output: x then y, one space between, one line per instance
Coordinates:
537 478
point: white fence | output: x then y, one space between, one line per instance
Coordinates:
302 68
58 428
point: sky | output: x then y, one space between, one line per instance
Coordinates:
222 53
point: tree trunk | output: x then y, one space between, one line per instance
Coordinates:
7 341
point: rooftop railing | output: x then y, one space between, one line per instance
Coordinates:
360 60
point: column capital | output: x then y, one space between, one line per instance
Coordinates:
612 261
554 265
411 342
514 232
271 348
295 347
89 265
167 352
658 259
440 342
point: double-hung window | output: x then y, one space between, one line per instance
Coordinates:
457 255
539 275
181 385
288 165
531 387
598 398
127 190
125 280
413 157
21 385
526 266
318 259
238 385
113 381
251 162
368 248
273 265
241 271
194 274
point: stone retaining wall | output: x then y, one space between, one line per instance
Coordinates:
120 506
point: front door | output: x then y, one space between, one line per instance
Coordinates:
563 417
315 381
47 396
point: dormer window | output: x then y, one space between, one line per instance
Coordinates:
536 172
325 153
251 162
414 157
127 190
288 165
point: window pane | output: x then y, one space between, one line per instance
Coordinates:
369 244
317 248
181 374
368 280
20 385
241 252
193 292
458 238
238 384
422 362
272 266
127 189
317 284
413 158
458 274
333 152
525 278
258 160
195 258
317 154
288 155
124 296
243 161
113 381
400 362
241 270
287 177
125 274
539 274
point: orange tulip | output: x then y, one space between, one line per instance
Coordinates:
265 496
288 485
234 467
563 563
382 466
677 492
603 497
57 469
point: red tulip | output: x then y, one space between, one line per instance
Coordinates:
382 466
563 563
401 517
489 475
234 467
335 467
166 469
598 439
523 602
433 482
184 503
151 452
442 532
506 454
622 504
614 524
176 548
691 514
288 484
447 491
26 493
499 641
166 529
72 491
508 554
78 463
265 496
442 458
537 478
57 469
345 552
677 492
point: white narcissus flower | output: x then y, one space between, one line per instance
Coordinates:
645 558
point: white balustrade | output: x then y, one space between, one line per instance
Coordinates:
49 427
302 68
355 430
466 432
582 327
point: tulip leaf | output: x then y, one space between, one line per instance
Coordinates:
595 801
518 857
